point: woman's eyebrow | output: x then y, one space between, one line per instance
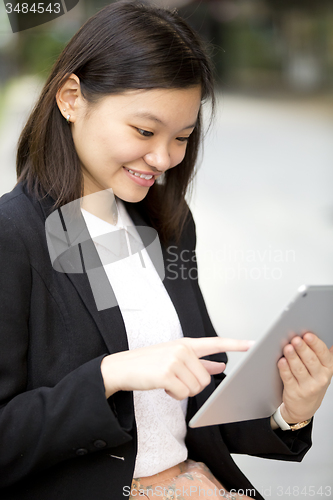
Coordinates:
154 118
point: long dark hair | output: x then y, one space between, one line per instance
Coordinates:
126 45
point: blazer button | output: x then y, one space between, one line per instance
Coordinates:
99 443
81 451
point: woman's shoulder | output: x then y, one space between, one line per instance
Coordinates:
13 201
19 215
17 205
17 191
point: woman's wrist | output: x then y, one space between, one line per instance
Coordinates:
279 421
110 386
274 425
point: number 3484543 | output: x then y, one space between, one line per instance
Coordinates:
35 8
304 491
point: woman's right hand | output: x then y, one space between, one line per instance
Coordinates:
173 366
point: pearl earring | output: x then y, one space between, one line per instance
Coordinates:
68 117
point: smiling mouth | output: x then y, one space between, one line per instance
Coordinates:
142 176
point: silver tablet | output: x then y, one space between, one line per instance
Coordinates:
254 387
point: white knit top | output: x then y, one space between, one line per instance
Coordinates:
150 318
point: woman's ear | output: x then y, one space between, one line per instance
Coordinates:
69 98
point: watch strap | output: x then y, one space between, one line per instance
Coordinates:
300 425
279 420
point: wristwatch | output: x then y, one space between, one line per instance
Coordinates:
279 420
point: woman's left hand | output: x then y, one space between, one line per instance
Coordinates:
306 371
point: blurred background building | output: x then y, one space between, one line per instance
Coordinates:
263 201
256 44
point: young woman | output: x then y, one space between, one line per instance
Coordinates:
96 396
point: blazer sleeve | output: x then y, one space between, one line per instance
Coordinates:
256 437
43 426
252 437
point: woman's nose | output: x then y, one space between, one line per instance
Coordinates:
159 158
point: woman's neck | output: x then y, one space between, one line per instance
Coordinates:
102 204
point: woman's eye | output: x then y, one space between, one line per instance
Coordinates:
145 133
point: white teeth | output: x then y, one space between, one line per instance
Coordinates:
140 175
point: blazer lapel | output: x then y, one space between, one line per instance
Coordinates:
109 321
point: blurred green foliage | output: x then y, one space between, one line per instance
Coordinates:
38 51
251 47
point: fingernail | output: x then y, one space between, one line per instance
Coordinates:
251 342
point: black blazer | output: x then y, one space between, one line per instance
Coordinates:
61 439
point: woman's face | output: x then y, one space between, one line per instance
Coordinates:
142 131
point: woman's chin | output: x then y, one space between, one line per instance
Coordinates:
132 197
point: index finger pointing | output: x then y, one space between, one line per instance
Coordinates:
211 345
